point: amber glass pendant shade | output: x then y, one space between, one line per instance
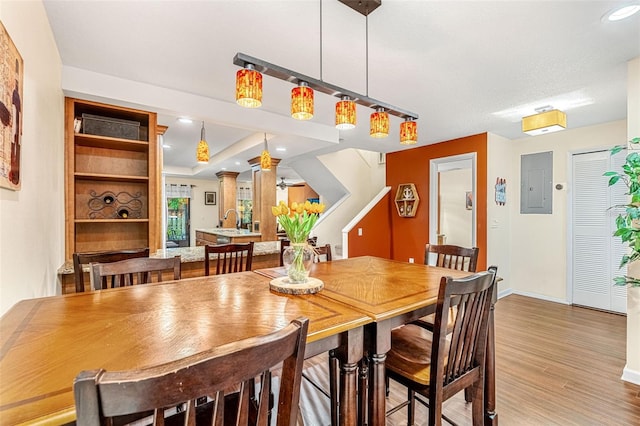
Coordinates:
265 161
249 87
265 157
408 132
345 114
302 102
379 124
202 151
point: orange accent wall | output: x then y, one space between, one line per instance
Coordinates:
376 232
409 235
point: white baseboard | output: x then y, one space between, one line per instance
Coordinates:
534 295
630 376
504 293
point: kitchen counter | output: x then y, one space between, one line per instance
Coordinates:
266 254
225 235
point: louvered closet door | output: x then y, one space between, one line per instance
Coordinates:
596 254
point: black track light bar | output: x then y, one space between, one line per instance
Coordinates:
281 73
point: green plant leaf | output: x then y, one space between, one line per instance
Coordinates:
614 179
616 149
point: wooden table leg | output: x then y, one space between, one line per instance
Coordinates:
349 353
490 415
378 343
377 389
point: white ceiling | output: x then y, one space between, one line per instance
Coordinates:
465 67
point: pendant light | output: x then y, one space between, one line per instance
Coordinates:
302 101
408 132
345 114
202 152
265 157
249 87
379 124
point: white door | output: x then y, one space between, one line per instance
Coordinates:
596 253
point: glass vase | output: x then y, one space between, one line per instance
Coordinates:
297 260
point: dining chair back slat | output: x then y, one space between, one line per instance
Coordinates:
228 258
86 258
453 257
133 271
102 397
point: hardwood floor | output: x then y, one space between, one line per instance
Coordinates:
556 365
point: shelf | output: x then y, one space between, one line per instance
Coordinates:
407 200
110 143
114 178
99 167
110 220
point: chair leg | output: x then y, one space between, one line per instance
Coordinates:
477 404
411 407
333 386
386 386
468 394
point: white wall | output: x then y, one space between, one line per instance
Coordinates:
538 242
363 177
456 222
632 369
32 219
202 215
500 164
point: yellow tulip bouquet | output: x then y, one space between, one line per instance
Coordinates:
297 222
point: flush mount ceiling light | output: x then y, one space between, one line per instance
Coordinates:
621 12
265 157
202 152
345 108
548 120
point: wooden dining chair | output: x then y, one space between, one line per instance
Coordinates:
133 271
228 257
80 259
102 396
283 245
320 251
438 365
453 257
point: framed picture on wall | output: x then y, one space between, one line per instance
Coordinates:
210 198
11 73
468 200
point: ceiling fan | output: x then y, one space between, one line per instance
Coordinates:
283 185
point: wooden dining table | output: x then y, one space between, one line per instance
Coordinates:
391 293
46 342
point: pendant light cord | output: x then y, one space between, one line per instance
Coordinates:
366 20
321 40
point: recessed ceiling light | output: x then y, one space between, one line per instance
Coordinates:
166 146
622 12
281 149
185 120
237 163
224 168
